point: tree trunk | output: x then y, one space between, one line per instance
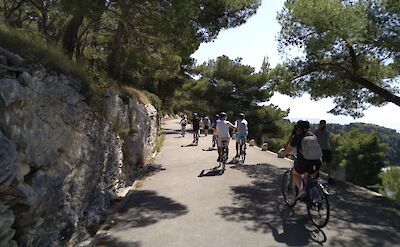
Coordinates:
45 19
114 59
70 37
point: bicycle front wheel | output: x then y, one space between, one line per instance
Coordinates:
289 189
318 207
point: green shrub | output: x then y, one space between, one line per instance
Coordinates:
274 144
391 182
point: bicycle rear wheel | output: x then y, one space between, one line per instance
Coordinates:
243 156
289 189
243 152
318 206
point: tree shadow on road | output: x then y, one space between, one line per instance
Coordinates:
362 219
148 170
108 241
143 208
357 219
262 205
168 131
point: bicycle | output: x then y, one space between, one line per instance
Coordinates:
242 149
316 197
224 156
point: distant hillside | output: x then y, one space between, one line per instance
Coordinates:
387 136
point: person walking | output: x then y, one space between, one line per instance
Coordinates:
323 140
183 124
206 123
196 128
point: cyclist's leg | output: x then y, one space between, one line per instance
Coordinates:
297 179
195 135
299 169
237 137
219 148
227 145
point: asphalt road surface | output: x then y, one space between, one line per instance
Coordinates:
242 207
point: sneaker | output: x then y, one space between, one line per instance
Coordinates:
302 193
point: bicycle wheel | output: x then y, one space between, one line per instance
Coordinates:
318 206
243 152
289 189
224 155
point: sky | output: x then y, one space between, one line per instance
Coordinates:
255 40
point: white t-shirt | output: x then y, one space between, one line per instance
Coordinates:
223 128
242 127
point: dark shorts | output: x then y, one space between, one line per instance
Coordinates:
206 127
326 156
310 166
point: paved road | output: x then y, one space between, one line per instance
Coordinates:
243 207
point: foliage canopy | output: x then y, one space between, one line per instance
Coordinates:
348 52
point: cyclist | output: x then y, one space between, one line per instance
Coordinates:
196 127
241 132
302 166
183 123
223 133
214 130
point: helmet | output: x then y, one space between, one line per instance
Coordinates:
302 124
195 114
222 114
241 115
217 116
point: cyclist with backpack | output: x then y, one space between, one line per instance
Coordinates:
309 155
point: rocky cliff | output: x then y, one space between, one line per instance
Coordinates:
61 161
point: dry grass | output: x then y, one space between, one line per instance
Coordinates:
135 93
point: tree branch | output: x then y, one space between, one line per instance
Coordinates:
382 92
339 69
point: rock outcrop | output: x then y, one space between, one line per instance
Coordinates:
61 161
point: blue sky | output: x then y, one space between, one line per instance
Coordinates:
255 40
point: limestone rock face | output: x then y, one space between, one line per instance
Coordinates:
61 161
